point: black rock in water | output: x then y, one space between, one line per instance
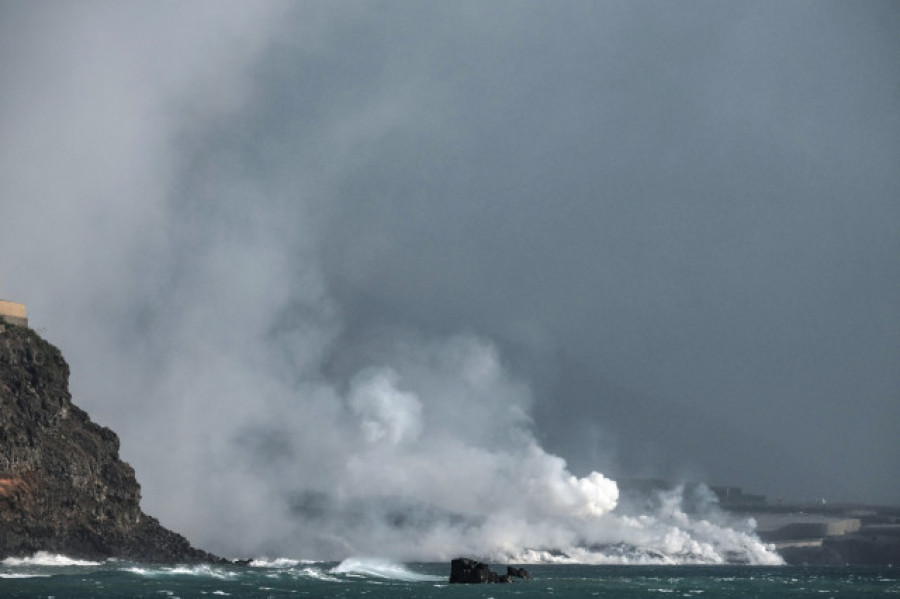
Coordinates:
468 571
517 573
63 488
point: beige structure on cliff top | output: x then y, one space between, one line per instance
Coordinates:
13 313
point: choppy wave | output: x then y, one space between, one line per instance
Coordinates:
198 570
280 562
381 568
381 578
287 568
44 558
315 573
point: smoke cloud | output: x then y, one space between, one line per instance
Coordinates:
403 280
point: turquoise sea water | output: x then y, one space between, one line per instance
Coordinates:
375 579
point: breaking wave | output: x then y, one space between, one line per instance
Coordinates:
200 570
44 558
279 562
381 568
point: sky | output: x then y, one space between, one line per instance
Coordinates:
298 251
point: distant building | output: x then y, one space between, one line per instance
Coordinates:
13 313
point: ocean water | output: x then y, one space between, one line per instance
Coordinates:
58 577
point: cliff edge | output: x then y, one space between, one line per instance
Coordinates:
63 488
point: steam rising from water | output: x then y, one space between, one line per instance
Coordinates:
203 329
431 454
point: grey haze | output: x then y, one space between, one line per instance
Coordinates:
673 227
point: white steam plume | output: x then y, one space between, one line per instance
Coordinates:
192 303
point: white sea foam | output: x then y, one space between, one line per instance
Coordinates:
43 558
315 573
20 575
202 570
280 562
199 570
380 568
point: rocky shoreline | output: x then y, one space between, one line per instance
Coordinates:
464 570
63 488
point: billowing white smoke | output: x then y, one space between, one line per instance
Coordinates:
195 311
440 460
385 412
446 428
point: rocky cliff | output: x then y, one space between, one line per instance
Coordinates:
63 487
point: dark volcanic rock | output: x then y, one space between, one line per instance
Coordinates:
869 547
63 488
468 571
517 573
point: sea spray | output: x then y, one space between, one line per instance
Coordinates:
381 568
47 559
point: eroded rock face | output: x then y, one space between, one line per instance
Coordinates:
469 571
517 573
63 487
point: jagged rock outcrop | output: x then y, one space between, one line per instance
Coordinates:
63 488
469 571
